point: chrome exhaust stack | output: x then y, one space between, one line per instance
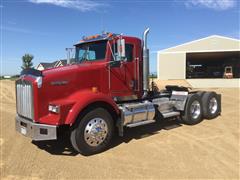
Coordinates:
145 64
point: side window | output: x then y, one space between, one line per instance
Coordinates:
129 52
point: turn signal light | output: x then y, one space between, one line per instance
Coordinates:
94 89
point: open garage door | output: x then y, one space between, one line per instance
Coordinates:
213 65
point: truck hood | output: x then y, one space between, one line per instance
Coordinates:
71 74
61 82
64 69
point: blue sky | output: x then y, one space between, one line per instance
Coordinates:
45 28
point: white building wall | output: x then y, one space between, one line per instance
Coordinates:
214 83
40 67
171 66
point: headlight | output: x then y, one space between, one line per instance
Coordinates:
53 108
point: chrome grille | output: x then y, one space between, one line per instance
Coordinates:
24 97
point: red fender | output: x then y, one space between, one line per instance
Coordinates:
83 99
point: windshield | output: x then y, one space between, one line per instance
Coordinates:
91 51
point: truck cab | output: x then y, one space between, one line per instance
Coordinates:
105 88
122 75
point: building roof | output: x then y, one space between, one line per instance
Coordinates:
47 65
210 43
62 62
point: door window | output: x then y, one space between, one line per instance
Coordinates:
128 51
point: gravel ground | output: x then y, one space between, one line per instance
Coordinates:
168 151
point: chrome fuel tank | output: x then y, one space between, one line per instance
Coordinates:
136 112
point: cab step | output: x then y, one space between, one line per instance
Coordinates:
140 123
171 114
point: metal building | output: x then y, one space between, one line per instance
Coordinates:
213 61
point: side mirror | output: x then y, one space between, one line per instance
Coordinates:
121 49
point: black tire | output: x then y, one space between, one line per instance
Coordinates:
78 133
210 109
201 93
189 118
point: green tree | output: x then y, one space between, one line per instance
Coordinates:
27 61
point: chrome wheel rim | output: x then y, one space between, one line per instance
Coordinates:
195 109
95 132
213 105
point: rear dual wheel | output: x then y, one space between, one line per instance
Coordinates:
201 105
193 110
211 105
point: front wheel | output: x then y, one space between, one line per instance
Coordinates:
93 133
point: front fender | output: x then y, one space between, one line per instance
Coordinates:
85 98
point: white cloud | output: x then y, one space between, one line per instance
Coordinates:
211 4
82 5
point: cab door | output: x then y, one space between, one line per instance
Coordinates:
124 77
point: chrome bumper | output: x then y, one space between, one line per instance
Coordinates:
35 131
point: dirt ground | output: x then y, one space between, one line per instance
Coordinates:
167 151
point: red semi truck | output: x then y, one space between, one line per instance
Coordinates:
104 90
